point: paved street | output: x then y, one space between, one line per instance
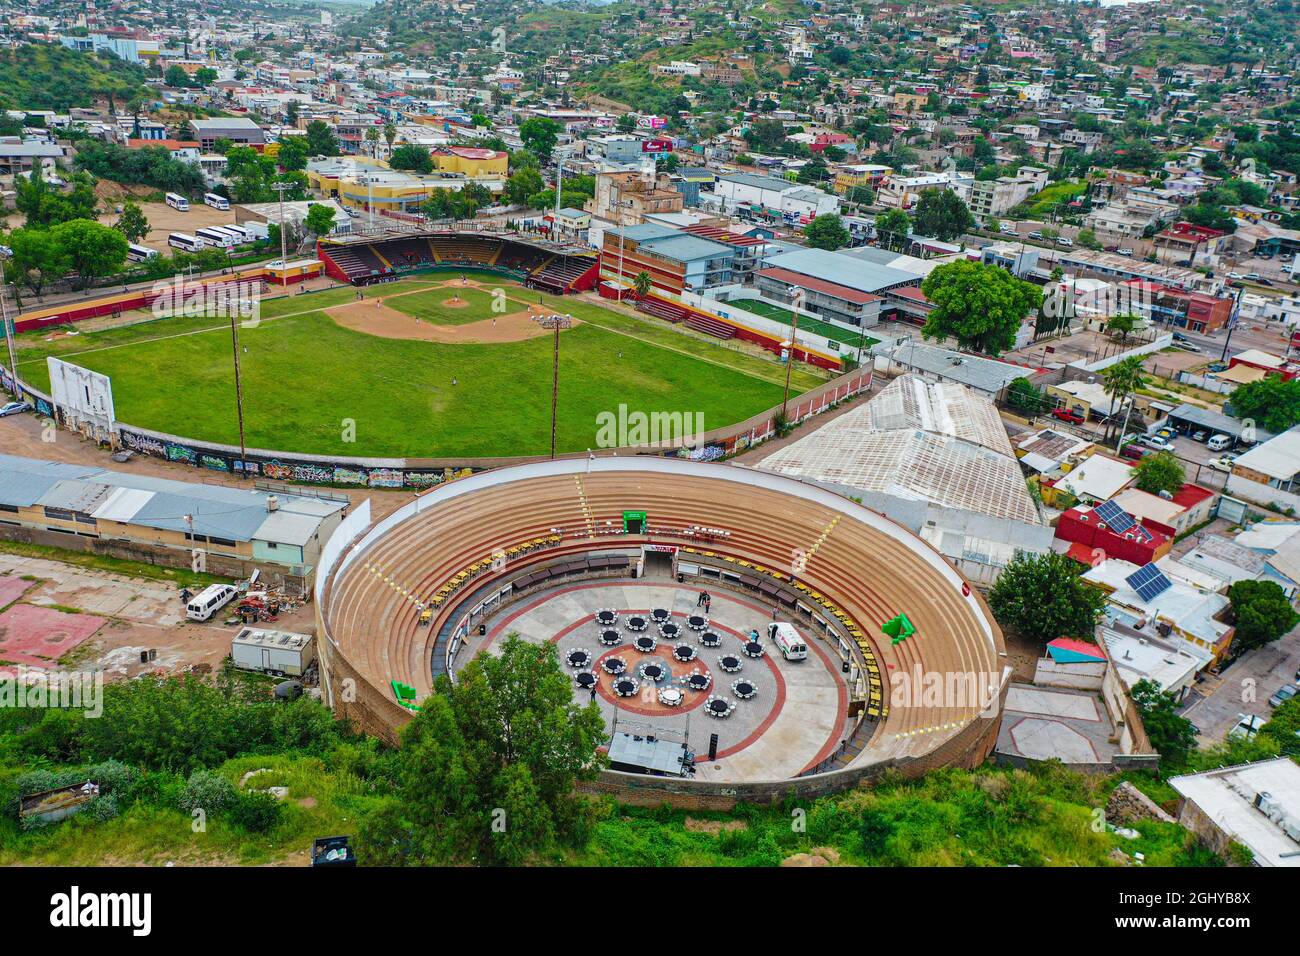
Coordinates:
1244 688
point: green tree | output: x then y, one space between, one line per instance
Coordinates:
826 232
1160 472
1272 402
1042 597
1262 613
319 220
1122 325
414 158
132 222
489 764
38 259
940 213
93 250
205 76
1172 736
540 135
176 77
642 283
981 306
1120 381
1087 239
524 183
294 152
1026 397
321 140
892 228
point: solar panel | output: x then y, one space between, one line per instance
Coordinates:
1149 582
1116 518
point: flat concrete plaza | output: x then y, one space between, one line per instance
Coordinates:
1042 723
796 714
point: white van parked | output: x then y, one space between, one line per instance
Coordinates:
788 641
1219 443
209 601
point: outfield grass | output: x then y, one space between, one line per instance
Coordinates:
306 378
806 324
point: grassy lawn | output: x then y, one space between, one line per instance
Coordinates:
181 577
1042 203
440 307
304 376
806 324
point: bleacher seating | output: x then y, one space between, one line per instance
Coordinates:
358 262
560 274
473 251
407 253
660 309
710 325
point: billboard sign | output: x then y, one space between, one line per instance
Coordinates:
657 145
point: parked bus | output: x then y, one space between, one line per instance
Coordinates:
138 253
235 233
178 202
185 242
215 237
216 201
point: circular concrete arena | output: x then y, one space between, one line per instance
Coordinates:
559 552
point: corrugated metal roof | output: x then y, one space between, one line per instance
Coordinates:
123 504
841 269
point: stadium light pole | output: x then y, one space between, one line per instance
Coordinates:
555 323
796 300
281 188
5 255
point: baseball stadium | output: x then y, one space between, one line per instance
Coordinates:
659 582
435 345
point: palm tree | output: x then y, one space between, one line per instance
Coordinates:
1120 381
372 137
390 134
641 283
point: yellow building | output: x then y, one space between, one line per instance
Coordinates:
472 161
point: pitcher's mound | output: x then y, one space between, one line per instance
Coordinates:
388 323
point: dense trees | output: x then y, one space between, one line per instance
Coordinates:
52 77
1172 736
1262 613
1272 402
92 250
981 306
1160 472
941 214
413 158
1042 597
148 166
540 136
893 228
489 763
321 140
43 205
826 232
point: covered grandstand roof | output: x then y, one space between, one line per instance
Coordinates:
918 440
841 269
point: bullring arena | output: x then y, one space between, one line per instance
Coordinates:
606 558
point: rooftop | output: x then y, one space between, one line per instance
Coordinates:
1228 796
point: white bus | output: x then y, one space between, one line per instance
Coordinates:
215 237
178 202
186 242
235 232
216 201
138 253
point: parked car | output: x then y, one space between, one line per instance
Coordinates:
1247 727
1219 443
1133 451
1223 463
1218 366
1200 435
14 408
1125 251
1186 346
1157 442
1061 240
1284 693
1067 415
1035 235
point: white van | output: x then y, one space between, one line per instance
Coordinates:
788 641
211 600
1219 443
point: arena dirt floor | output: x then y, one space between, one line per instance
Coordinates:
374 318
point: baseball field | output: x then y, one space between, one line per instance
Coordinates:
444 365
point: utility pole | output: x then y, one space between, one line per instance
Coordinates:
5 255
555 323
1232 323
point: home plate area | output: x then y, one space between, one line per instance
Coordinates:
651 657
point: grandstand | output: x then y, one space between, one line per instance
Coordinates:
478 544
551 267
